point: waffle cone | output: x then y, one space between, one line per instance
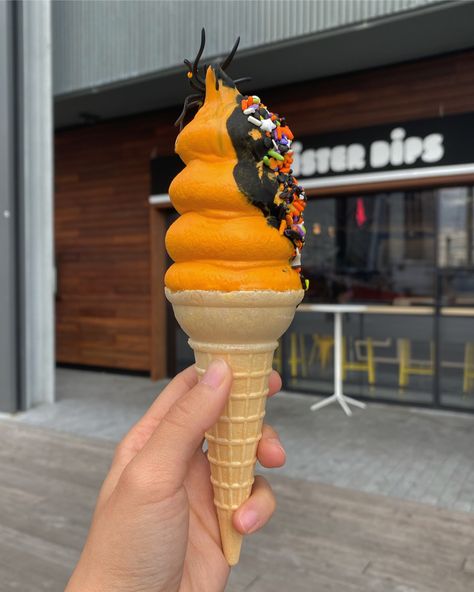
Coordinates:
241 328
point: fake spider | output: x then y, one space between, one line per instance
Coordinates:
197 79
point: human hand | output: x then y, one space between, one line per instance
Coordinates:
155 528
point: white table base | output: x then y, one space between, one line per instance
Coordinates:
338 395
343 401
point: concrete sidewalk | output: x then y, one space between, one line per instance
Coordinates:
321 539
423 456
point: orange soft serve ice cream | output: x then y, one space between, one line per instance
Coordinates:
240 225
236 279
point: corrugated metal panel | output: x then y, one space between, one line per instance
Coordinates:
97 43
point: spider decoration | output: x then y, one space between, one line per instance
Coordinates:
197 80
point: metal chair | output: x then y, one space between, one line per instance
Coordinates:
278 359
324 345
409 367
360 366
297 358
468 382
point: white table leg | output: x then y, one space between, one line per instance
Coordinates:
338 354
323 403
354 402
338 363
338 394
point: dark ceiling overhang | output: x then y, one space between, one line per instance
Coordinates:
434 30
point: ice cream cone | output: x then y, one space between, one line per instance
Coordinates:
241 328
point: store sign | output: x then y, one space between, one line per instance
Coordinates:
415 146
398 150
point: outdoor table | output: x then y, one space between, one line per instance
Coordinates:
338 310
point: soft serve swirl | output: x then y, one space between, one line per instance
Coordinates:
229 235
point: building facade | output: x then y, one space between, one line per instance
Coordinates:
380 96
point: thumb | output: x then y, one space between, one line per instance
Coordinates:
162 464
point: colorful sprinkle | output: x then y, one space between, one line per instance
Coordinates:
275 154
267 125
254 121
290 198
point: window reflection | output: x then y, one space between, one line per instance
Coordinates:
456 325
369 248
457 359
384 357
455 239
398 248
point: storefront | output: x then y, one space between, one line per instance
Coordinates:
388 164
406 249
390 224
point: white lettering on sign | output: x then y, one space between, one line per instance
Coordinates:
398 151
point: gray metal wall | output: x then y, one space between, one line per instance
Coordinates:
35 173
26 206
97 43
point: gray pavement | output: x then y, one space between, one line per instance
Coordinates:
413 454
321 538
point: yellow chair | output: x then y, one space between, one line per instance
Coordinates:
322 344
408 368
468 381
278 359
297 358
362 366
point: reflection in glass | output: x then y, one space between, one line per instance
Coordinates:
457 287
379 249
457 361
385 357
455 238
383 249
370 248
456 281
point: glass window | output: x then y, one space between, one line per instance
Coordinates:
403 248
384 357
456 227
457 358
456 280
375 249
371 248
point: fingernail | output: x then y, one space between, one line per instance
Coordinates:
215 373
249 520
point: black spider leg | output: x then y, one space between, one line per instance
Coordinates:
198 57
186 106
244 79
197 103
198 85
228 59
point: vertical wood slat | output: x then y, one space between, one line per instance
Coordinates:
103 241
158 345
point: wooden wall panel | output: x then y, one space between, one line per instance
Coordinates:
102 240
102 181
403 92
